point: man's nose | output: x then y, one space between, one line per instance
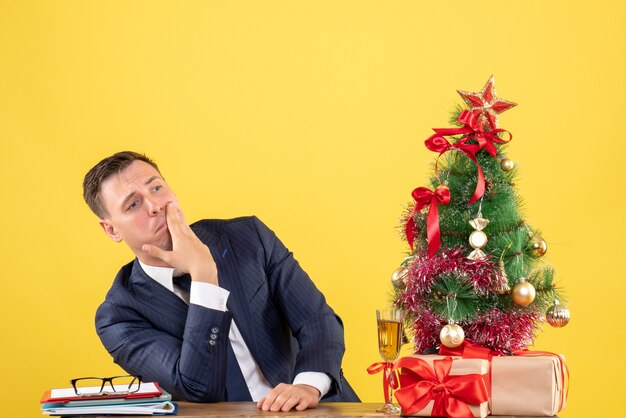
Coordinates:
156 205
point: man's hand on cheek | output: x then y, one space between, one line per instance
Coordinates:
189 254
285 397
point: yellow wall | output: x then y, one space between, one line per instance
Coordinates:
311 115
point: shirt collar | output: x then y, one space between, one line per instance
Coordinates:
161 275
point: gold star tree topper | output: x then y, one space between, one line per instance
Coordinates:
485 105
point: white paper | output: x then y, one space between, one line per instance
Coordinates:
147 387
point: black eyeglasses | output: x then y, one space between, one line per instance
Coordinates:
94 386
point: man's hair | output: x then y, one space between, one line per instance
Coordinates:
109 166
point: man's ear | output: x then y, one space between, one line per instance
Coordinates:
110 230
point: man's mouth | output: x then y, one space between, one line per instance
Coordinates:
160 227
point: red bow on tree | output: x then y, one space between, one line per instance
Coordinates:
471 129
438 143
423 197
451 394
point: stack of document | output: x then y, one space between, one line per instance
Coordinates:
149 400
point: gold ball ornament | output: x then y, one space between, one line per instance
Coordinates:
507 164
452 335
523 293
399 277
557 315
538 246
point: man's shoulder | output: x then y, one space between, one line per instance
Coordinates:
218 224
120 284
230 227
118 298
245 235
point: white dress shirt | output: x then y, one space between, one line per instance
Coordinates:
214 297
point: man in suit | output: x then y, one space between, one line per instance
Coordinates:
216 311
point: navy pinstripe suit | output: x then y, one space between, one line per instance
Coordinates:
282 316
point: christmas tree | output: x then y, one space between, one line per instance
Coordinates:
475 270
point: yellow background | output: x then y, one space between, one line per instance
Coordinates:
311 115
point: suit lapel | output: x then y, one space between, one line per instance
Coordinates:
232 275
159 299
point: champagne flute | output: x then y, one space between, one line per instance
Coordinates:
389 343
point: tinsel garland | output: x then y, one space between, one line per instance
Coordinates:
425 326
501 331
504 332
424 270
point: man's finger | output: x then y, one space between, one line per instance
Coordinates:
303 404
268 401
180 213
156 252
176 217
173 219
259 404
293 400
309 397
280 401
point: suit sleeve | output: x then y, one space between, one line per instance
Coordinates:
191 368
316 327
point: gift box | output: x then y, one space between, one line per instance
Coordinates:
433 385
528 384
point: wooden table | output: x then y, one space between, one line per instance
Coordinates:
249 409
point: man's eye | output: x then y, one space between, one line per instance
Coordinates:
132 205
157 188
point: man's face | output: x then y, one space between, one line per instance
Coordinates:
135 200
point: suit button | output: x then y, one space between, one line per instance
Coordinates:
211 349
215 330
212 342
213 337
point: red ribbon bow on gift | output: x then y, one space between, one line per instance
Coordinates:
451 394
423 197
471 129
